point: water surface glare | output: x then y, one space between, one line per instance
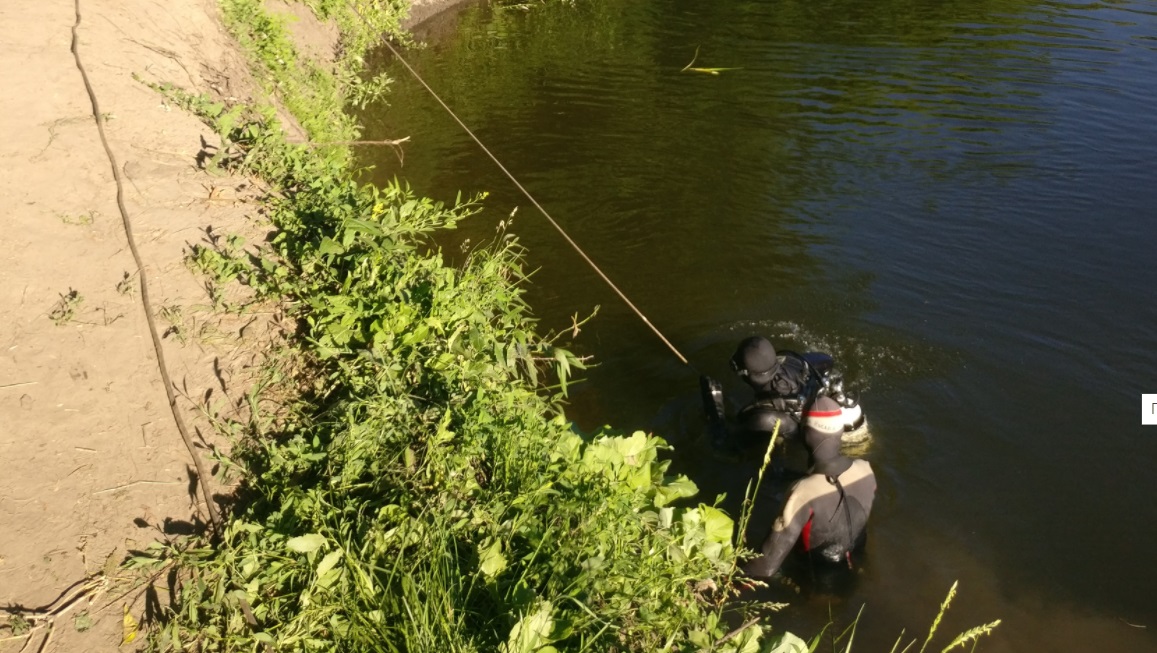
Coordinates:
955 198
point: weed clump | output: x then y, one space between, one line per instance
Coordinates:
426 493
420 488
64 310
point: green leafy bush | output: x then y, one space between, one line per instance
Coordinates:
427 493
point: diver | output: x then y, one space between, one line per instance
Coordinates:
827 510
785 385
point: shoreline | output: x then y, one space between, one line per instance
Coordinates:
95 466
422 11
386 417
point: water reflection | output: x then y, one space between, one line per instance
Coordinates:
954 197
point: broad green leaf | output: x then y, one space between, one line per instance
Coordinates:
532 632
568 446
365 227
562 356
717 526
633 448
329 246
785 643
679 488
746 642
444 433
490 558
306 543
324 577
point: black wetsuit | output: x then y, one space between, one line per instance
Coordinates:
827 523
788 392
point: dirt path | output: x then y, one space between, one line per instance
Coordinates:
91 463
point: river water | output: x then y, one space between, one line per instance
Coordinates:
956 199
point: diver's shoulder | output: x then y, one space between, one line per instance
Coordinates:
860 469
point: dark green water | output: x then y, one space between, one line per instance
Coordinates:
957 199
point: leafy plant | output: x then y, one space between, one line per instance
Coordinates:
79 218
126 286
424 490
18 625
176 319
65 308
429 491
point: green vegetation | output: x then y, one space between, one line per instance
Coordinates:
79 218
425 492
176 319
126 286
64 310
407 479
420 488
316 93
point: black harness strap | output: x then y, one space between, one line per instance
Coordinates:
834 480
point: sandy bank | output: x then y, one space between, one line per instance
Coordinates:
93 464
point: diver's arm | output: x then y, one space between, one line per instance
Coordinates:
782 538
761 421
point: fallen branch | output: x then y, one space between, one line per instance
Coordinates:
18 385
735 632
392 143
128 485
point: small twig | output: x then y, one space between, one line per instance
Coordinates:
735 632
18 385
77 470
29 635
692 62
23 635
140 585
1132 625
47 638
90 587
690 67
392 143
248 612
128 485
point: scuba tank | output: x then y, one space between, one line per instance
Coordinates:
832 385
800 380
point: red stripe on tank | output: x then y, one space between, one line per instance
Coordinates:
806 535
825 413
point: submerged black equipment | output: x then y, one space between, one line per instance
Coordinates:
785 384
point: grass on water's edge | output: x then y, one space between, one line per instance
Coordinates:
424 491
419 489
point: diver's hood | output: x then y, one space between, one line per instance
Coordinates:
824 452
756 360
